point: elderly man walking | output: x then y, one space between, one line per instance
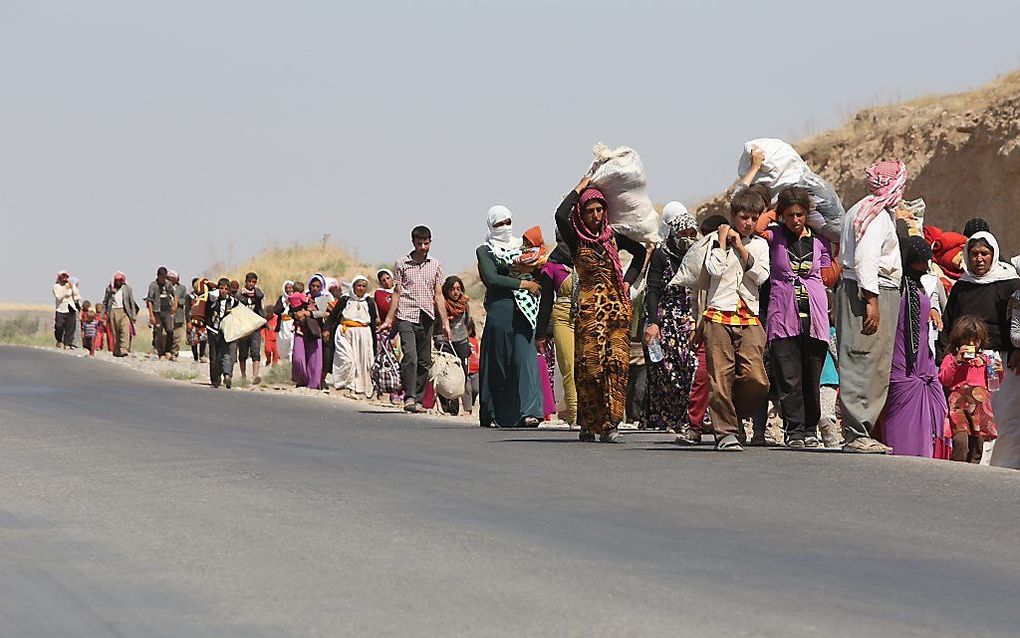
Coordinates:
180 294
120 303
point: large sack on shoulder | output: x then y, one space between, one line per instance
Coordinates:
620 175
447 375
240 322
782 166
828 213
691 273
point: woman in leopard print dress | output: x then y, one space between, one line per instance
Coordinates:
603 312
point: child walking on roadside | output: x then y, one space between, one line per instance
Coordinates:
104 333
221 353
965 372
89 328
738 263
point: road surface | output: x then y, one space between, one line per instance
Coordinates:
134 506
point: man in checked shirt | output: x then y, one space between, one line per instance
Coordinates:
417 299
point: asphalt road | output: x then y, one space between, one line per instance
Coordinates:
132 506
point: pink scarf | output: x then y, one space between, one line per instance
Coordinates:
886 182
605 237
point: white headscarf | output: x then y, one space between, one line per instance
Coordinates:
501 238
356 279
388 272
675 217
1000 271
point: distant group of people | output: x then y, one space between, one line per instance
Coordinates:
867 341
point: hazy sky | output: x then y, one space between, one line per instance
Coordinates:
136 133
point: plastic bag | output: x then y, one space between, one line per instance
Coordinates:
782 166
447 374
620 175
828 213
240 322
691 273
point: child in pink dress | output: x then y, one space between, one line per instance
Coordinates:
964 372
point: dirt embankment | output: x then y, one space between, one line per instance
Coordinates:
962 153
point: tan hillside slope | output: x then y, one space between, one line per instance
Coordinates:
962 153
276 264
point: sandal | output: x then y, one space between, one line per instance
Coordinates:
611 435
729 443
866 445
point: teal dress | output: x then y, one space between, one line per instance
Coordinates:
508 382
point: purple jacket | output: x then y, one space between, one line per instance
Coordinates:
784 319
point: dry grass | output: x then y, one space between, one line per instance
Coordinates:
298 262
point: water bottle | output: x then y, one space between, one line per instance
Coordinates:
993 378
655 353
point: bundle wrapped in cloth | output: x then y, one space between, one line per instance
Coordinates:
783 166
534 253
620 175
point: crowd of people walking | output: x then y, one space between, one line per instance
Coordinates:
863 339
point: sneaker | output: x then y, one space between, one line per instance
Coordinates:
226 381
795 444
812 442
866 445
530 422
411 406
612 435
729 443
586 436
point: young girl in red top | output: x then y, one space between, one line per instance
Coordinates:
269 340
964 372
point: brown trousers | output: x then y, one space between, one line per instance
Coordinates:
120 325
178 339
736 374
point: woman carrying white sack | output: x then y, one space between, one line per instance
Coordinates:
353 323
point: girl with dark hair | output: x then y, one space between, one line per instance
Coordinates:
984 290
797 323
964 373
458 311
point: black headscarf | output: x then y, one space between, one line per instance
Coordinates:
561 254
976 225
915 250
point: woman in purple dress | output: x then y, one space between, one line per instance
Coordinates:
915 411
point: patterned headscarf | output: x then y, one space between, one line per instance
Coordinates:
604 238
886 182
915 249
976 225
675 220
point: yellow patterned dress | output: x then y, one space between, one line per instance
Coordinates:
602 341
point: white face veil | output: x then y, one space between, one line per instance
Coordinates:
501 237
